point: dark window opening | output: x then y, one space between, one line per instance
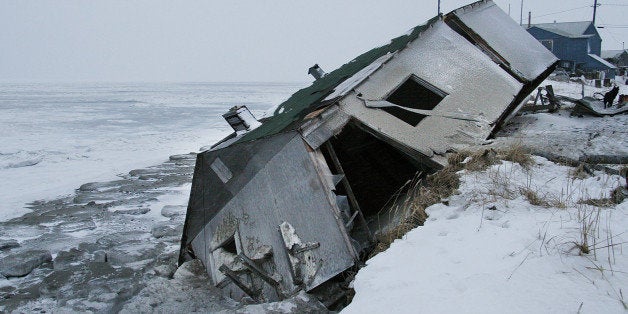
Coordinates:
375 169
230 246
414 93
377 173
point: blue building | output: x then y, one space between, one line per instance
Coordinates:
577 44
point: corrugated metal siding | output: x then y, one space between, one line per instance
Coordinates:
286 188
209 194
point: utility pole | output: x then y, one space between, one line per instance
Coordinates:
438 7
594 11
509 9
521 14
529 18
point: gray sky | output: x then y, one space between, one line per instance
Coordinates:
274 40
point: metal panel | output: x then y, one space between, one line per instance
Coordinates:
317 132
522 53
476 86
210 192
287 189
221 170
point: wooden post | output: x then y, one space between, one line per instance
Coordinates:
521 14
594 11
347 186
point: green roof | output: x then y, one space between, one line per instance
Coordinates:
308 99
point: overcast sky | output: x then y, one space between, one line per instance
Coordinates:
228 40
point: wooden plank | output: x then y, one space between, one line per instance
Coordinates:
261 273
236 280
347 186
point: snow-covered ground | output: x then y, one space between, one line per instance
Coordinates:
569 136
490 251
57 136
487 250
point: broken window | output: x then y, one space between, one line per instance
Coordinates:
230 246
225 254
414 93
375 171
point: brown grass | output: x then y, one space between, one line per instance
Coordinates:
617 197
476 160
544 200
433 188
482 159
534 198
422 194
517 154
581 172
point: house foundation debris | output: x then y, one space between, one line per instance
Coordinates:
293 204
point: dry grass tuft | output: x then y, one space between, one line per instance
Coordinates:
617 197
482 159
534 198
473 160
597 202
517 154
589 219
546 200
581 172
442 184
422 194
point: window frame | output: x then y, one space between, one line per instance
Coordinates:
423 83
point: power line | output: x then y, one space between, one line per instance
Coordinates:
612 35
573 9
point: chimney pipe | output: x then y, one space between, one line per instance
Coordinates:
316 72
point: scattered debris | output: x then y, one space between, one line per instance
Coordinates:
548 101
595 107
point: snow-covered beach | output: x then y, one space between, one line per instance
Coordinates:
487 250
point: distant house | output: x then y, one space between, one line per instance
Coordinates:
577 44
617 57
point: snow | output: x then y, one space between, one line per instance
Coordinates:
602 61
57 136
566 135
525 54
355 80
486 250
490 251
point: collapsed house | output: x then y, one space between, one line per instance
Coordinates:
285 206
